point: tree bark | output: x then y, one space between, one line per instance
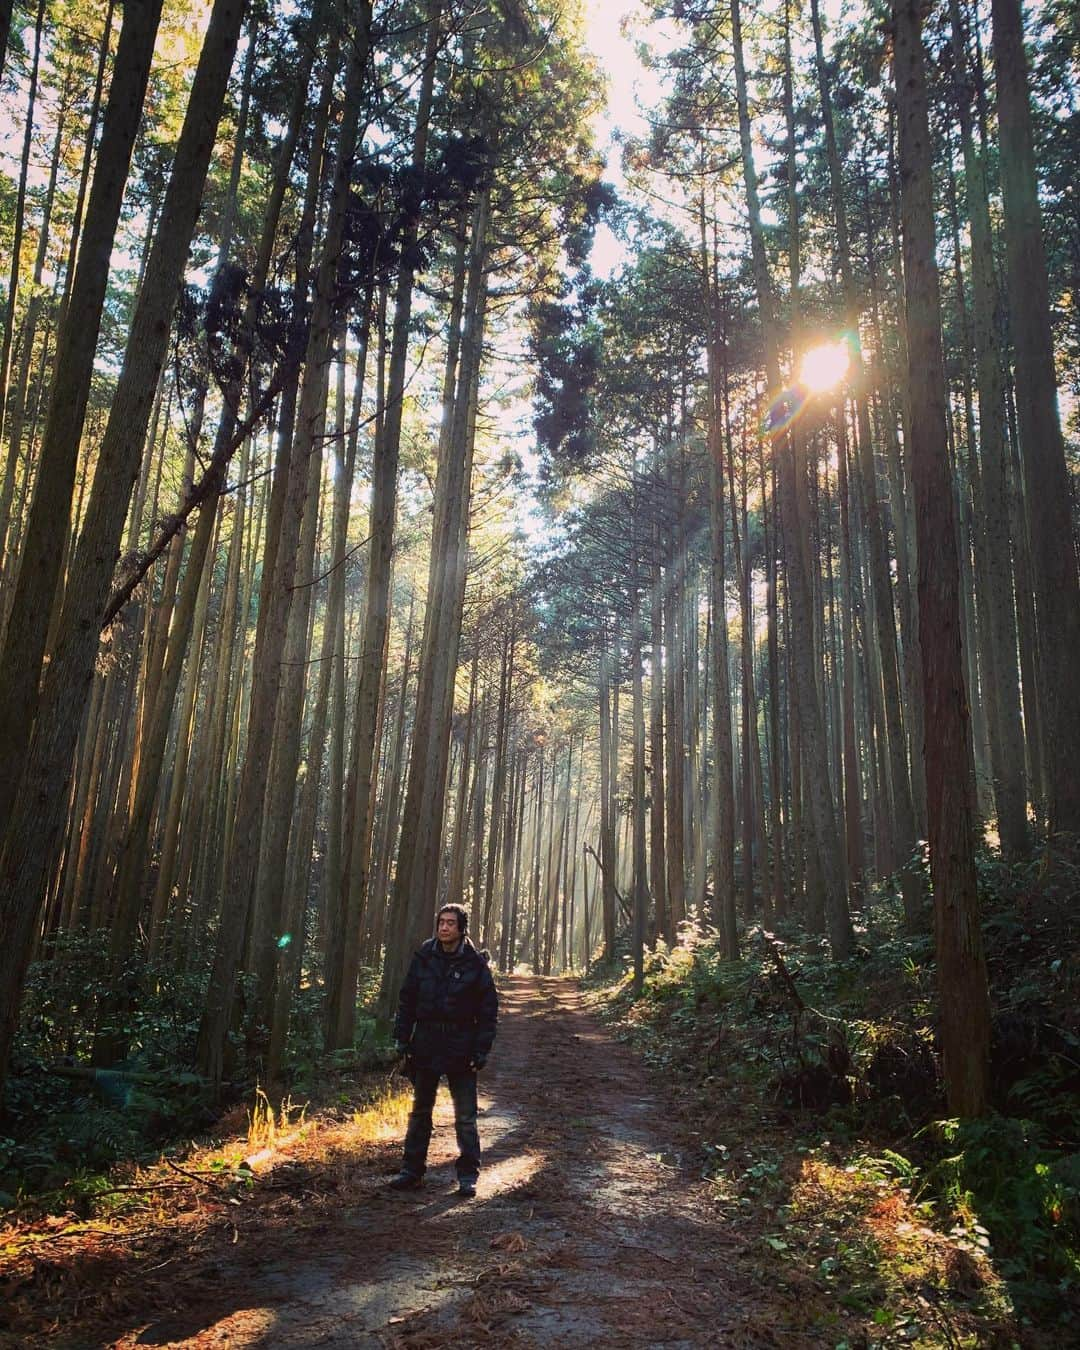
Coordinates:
32 838
50 513
8 337
608 772
641 875
723 794
811 730
341 1015
965 1011
657 794
266 666
1057 585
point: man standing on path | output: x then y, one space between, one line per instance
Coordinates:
445 1024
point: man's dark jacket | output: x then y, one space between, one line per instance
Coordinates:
448 1007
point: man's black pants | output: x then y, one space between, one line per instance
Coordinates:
418 1135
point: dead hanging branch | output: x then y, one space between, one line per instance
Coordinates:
209 485
302 585
823 1078
773 948
627 912
786 978
86 1073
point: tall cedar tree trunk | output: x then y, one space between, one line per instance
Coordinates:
416 876
392 814
723 914
455 884
696 697
335 619
344 957
975 567
769 519
641 875
33 837
674 741
498 786
20 220
1024 596
519 858
537 838
266 668
608 771
104 58
657 850
852 780
548 840
50 511
878 561
573 839
965 1009
19 396
810 726
746 674
6 9
479 802
1008 746
1057 587
510 851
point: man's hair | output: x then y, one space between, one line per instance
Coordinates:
462 916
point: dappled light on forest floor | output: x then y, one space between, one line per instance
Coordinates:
587 1229
613 1210
509 1173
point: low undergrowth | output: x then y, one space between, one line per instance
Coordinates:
105 1243
814 1089
66 1125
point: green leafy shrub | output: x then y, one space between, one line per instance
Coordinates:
1001 1177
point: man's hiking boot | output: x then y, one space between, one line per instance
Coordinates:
466 1187
406 1181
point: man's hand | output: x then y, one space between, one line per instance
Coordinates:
477 1062
406 1066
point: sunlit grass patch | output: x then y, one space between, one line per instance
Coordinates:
253 1143
875 1249
265 1125
385 1117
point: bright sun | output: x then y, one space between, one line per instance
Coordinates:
825 366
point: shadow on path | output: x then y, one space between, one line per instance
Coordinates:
587 1229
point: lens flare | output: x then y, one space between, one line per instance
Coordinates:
783 411
825 366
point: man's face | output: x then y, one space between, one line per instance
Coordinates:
447 929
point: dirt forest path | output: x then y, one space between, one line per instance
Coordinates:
588 1230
